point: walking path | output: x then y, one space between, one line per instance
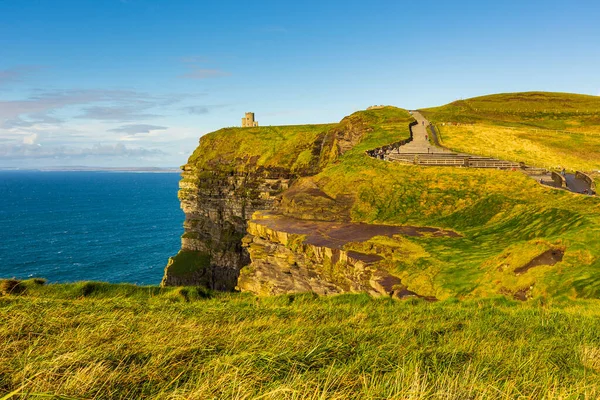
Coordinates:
422 150
421 143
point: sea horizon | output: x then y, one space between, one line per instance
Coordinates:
68 226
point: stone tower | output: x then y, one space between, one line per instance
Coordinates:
248 121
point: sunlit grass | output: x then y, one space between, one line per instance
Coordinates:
536 147
122 341
492 210
541 129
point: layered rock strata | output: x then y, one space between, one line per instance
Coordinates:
290 255
234 173
216 208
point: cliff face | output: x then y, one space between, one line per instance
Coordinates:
216 207
290 255
234 173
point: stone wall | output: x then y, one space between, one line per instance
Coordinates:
559 179
587 178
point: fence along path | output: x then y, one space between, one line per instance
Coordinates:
420 149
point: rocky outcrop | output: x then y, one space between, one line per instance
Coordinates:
217 205
283 262
291 255
222 186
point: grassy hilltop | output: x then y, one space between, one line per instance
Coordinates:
505 218
98 341
271 146
543 129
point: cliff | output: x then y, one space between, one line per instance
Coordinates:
303 208
235 172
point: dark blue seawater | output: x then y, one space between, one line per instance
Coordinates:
71 226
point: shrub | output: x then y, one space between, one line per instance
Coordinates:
11 286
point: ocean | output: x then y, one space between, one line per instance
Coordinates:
102 226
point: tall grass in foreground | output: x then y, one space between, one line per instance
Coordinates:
91 340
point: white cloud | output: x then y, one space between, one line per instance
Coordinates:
31 139
134 129
33 151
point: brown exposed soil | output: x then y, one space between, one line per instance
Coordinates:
337 234
393 286
366 258
550 257
521 295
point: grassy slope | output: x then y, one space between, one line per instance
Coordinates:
506 218
525 127
272 146
91 340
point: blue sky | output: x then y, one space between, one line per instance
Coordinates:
137 82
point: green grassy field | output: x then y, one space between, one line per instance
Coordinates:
98 341
543 129
506 220
271 146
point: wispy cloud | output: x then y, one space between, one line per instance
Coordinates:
51 125
43 102
35 151
197 110
203 73
201 110
136 129
30 120
117 113
104 105
16 74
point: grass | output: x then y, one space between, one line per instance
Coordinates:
95 340
498 213
186 262
243 149
125 341
542 129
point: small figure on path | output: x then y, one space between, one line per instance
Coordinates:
563 172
